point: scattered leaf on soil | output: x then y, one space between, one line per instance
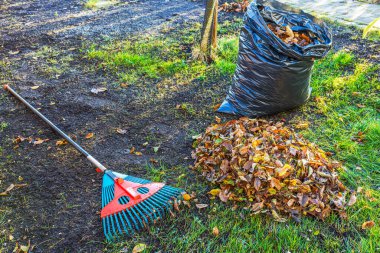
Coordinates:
21 248
132 150
200 206
35 87
121 131
368 224
97 90
216 107
11 187
61 142
138 153
215 231
155 149
39 141
271 168
89 135
139 248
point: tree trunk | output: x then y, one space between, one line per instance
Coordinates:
208 37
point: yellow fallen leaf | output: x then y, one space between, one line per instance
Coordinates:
214 192
35 87
61 142
139 248
215 231
138 153
186 197
217 119
282 172
89 135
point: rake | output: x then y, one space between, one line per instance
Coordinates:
129 203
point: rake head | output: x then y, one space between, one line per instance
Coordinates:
130 203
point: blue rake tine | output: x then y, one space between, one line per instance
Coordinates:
127 220
134 218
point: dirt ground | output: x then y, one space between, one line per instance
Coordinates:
59 209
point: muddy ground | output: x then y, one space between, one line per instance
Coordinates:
59 209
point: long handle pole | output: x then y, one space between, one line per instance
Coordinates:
57 130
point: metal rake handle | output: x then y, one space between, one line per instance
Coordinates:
95 162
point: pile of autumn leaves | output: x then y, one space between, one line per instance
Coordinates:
270 168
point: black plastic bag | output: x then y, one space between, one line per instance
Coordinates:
272 76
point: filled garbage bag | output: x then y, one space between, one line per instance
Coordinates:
273 76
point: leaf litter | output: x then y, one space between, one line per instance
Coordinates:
271 169
287 35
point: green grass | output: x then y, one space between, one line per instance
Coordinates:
51 61
3 126
5 73
164 58
344 108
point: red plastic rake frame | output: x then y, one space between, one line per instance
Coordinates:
128 189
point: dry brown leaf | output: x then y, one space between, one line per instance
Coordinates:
89 135
217 119
368 224
97 90
215 231
271 166
39 141
352 199
223 196
61 142
10 188
216 107
121 131
200 206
